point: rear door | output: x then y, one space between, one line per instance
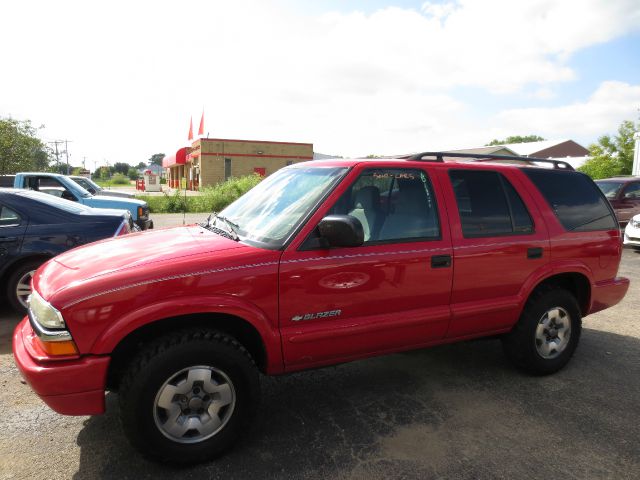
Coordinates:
392 293
499 239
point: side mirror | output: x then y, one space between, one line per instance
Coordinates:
341 231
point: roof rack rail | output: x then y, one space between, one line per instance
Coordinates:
486 157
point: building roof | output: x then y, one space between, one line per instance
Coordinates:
493 149
531 148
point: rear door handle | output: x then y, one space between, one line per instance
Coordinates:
535 252
441 261
8 239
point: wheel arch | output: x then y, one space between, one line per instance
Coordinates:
576 283
239 328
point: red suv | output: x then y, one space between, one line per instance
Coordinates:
323 262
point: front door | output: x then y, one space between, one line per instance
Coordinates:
629 203
391 293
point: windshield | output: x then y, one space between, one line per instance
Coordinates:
610 189
86 183
272 210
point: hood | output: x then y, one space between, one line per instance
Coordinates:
114 193
149 253
104 201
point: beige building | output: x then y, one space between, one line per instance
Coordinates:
212 160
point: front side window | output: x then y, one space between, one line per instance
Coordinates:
8 217
574 198
632 191
488 204
271 211
392 205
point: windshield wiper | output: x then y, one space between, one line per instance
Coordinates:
232 228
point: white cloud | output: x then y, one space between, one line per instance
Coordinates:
121 79
602 112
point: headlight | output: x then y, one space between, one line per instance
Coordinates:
43 313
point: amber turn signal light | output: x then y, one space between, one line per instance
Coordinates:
67 347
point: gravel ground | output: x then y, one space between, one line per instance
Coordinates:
458 411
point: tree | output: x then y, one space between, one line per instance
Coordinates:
141 165
612 156
132 173
121 167
20 148
516 139
156 159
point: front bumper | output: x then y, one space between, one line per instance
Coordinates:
632 235
70 387
608 293
144 223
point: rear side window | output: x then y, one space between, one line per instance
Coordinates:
488 204
575 199
8 217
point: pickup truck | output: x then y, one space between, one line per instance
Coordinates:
65 187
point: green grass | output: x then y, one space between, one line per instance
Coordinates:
213 199
117 179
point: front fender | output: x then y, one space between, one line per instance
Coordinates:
106 342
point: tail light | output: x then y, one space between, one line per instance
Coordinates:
123 229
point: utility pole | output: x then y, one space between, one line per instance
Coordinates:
66 151
55 143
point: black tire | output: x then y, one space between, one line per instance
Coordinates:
15 277
168 358
523 345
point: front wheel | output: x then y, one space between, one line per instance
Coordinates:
187 396
19 285
547 333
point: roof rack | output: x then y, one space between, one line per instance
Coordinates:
486 157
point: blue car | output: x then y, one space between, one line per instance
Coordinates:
35 227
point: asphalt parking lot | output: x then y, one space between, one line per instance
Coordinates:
458 411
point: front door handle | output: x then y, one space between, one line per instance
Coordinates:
535 252
441 261
8 239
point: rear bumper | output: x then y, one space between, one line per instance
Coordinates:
72 387
608 293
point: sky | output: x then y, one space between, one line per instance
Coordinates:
121 80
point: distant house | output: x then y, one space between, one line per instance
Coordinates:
567 150
493 150
155 169
549 149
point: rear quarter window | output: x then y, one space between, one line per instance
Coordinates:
575 199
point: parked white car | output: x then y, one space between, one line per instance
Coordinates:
632 232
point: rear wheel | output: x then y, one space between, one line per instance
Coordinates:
547 334
187 396
19 285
